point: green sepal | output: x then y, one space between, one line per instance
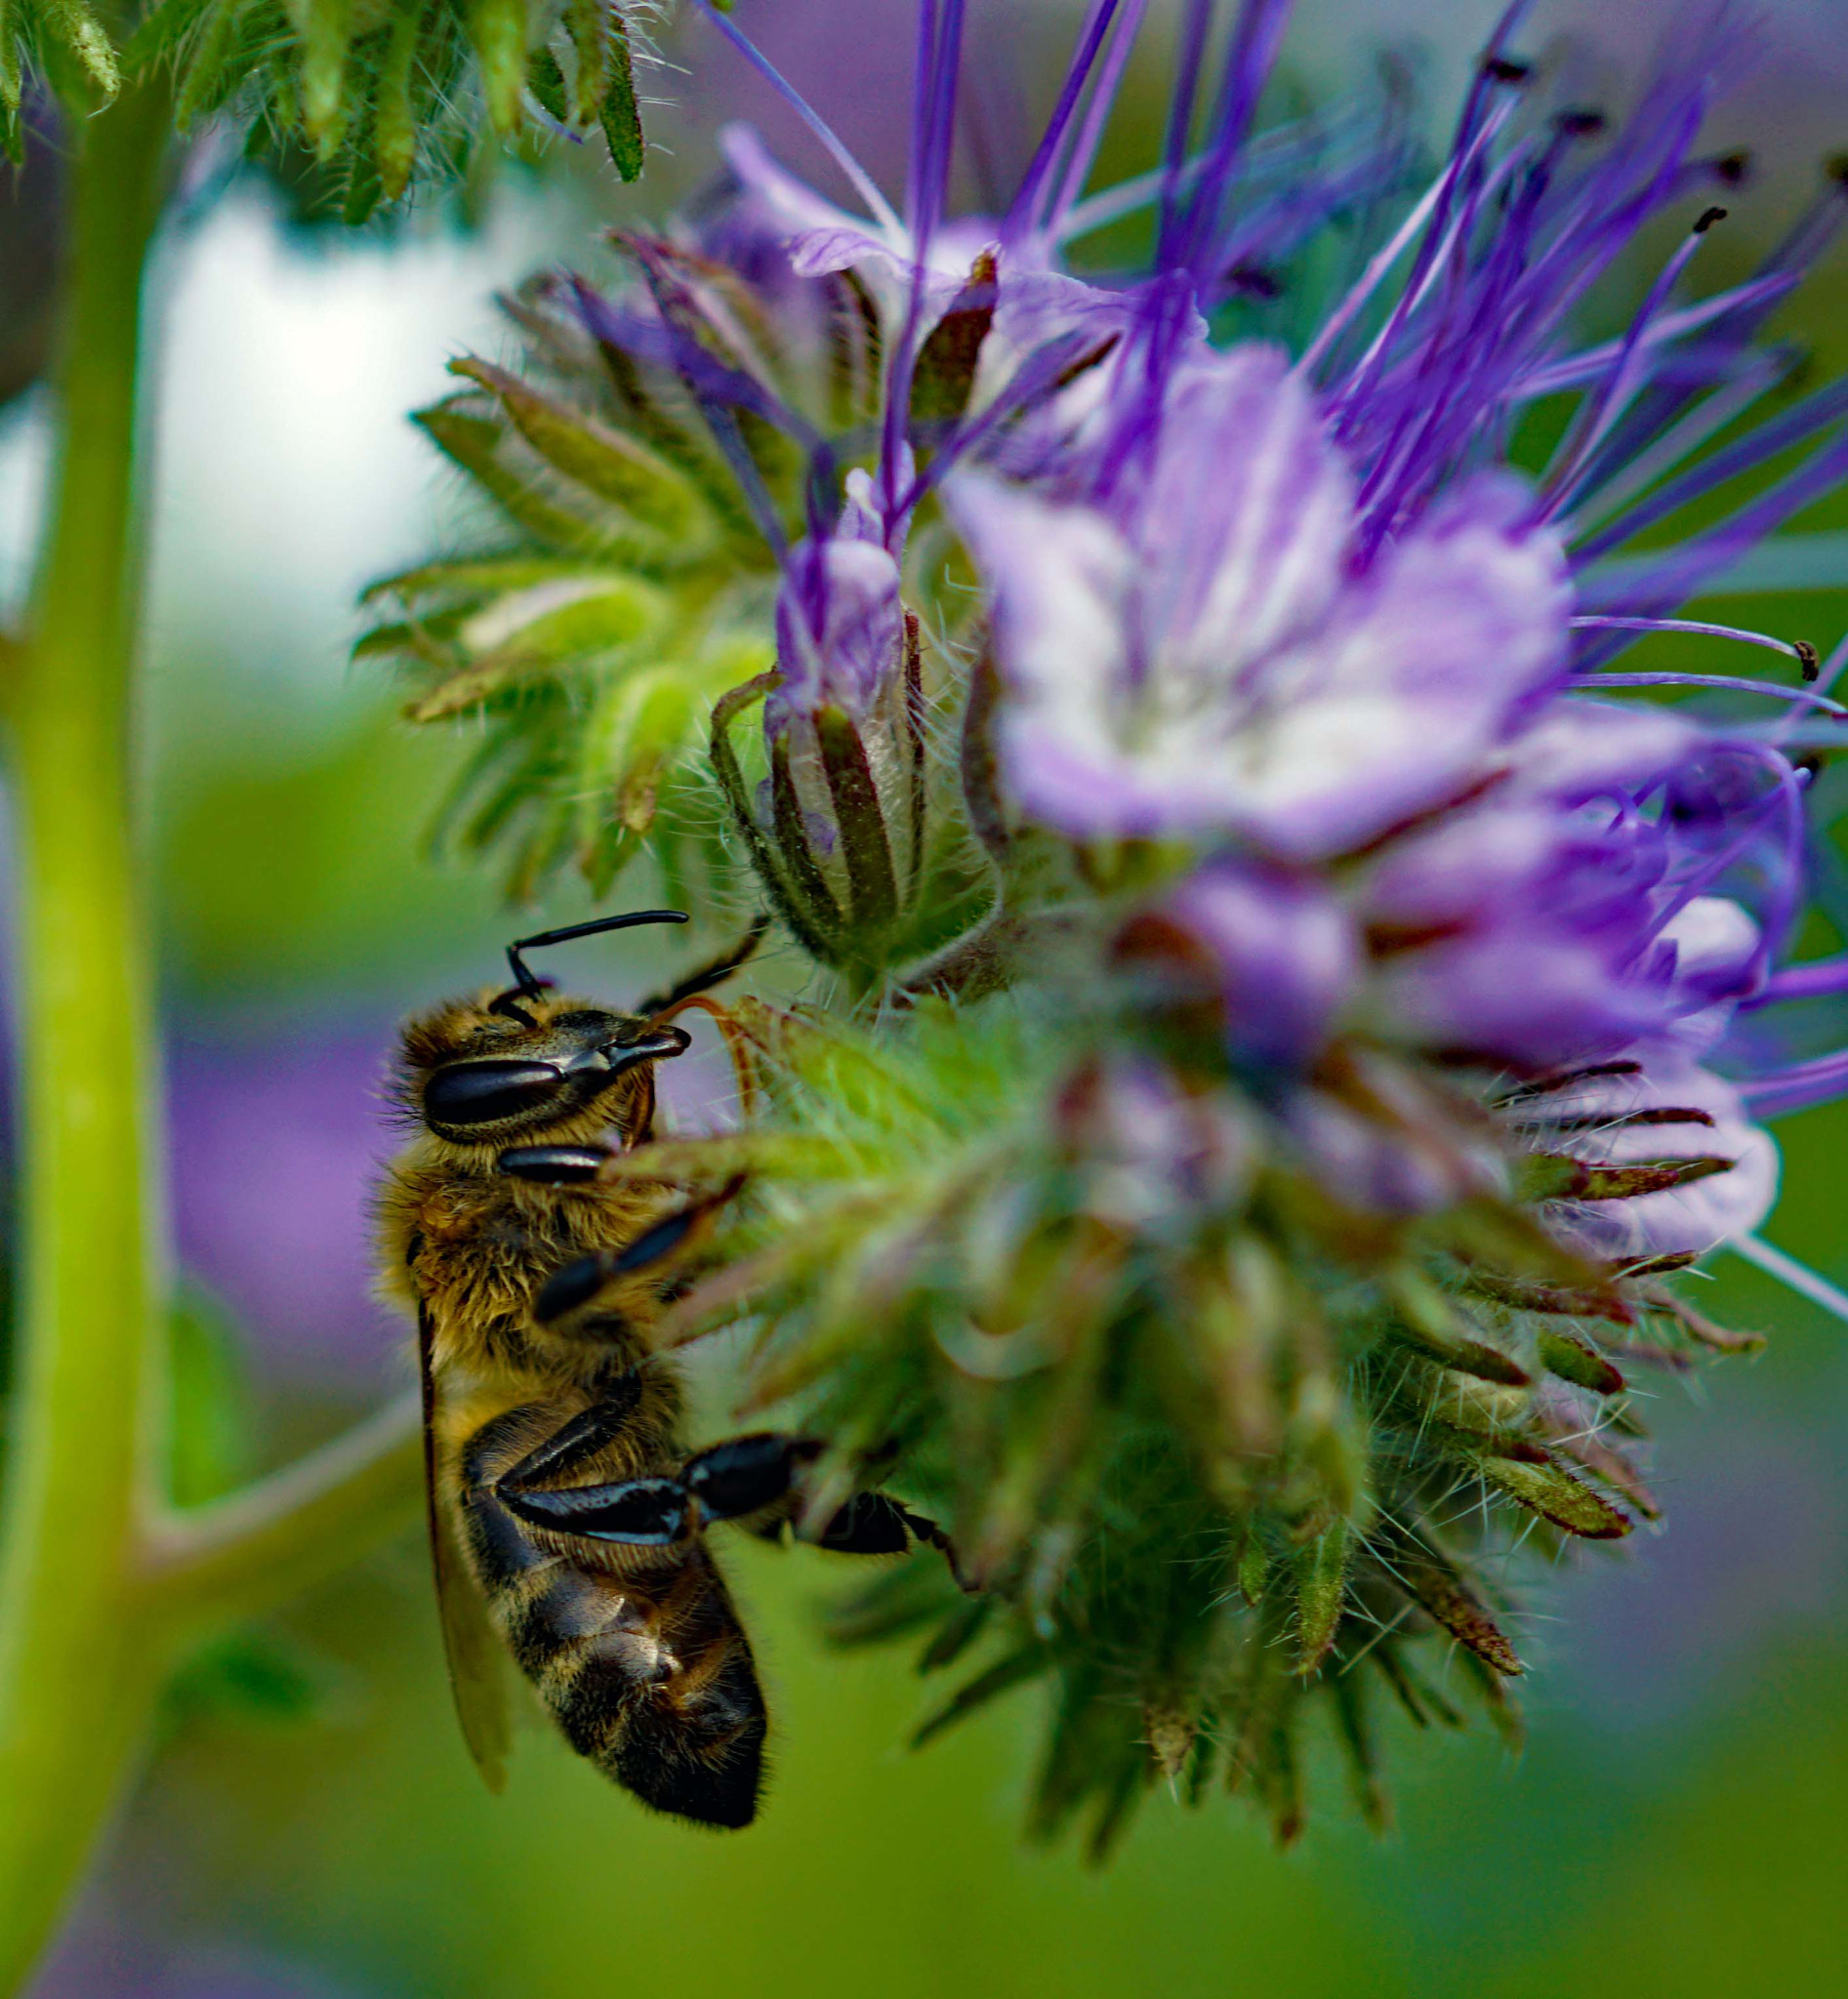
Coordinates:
1551 1176
1431 1320
1534 1481
865 847
160 31
1437 1586
618 112
546 80
765 857
1579 1362
79 31
326 29
475 443
536 631
662 501
211 70
394 119
1350 1691
11 80
497 31
1321 1580
589 24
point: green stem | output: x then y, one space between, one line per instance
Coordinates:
263 1545
74 1690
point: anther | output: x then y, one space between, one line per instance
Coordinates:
1808 659
1583 123
1732 169
1709 218
1835 168
1504 69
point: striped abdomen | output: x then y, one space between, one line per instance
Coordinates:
636 1651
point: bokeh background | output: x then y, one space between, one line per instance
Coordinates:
310 1827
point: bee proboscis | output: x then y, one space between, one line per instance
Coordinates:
566 1515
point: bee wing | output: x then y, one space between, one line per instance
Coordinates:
470 1644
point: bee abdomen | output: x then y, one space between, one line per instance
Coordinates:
648 1674
661 1694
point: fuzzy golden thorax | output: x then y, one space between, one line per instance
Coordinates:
473 1245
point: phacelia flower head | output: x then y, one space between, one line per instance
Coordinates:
1285 996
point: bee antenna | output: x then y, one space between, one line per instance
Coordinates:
526 986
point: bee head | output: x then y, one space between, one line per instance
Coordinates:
513 1064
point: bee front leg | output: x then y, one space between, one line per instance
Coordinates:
554 1165
576 1283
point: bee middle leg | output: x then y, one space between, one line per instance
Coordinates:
753 1480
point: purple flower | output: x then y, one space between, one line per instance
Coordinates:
1297 620
840 624
1199 654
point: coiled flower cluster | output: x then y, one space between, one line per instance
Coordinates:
1283 998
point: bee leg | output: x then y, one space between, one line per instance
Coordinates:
554 1165
877 1524
749 1475
639 1513
578 1283
583 1437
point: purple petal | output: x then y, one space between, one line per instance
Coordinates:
1244 519
840 624
1284 953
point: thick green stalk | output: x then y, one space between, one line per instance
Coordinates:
76 1689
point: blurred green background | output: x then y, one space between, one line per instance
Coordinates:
311 1825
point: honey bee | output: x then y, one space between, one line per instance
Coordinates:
566 1516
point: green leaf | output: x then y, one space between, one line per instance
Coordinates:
249 1676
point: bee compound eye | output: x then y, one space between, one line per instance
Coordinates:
488 1092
